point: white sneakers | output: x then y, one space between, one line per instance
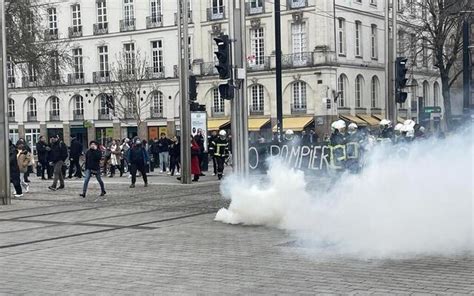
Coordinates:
17 195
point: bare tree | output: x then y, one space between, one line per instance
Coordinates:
438 23
32 47
126 85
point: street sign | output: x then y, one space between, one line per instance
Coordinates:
432 109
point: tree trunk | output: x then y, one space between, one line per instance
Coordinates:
446 100
142 130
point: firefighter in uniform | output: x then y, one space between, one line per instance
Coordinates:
221 151
338 145
354 141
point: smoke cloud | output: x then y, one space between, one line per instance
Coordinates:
405 202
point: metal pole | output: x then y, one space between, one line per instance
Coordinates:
241 59
185 120
394 113
388 81
466 66
5 194
279 92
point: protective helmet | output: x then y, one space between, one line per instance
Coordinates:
289 134
339 125
385 123
352 128
222 133
398 127
409 123
422 129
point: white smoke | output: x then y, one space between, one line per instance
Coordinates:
419 202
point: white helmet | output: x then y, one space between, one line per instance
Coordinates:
385 123
398 127
409 123
338 125
289 134
422 129
222 133
352 128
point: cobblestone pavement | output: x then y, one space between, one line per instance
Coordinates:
163 240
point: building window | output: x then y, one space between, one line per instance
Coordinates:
257 44
155 11
157 56
218 102
217 7
374 92
436 94
32 110
341 36
76 18
32 137
373 41
298 38
10 71
257 98
14 136
11 109
256 6
129 55
103 61
102 14
103 108
299 95
358 39
424 52
157 104
54 65
31 73
78 63
129 12
342 90
54 104
373 2
359 85
426 92
52 21
79 105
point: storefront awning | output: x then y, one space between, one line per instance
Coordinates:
372 121
297 124
217 124
400 119
378 116
353 119
256 124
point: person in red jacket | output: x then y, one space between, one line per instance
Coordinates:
195 165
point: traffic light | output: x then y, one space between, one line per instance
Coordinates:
224 67
109 102
192 88
400 79
226 91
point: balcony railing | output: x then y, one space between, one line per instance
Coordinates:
302 59
216 13
11 82
298 108
155 112
294 4
101 76
53 79
155 72
256 111
190 18
259 64
78 115
75 78
75 32
29 81
31 116
217 113
101 28
127 25
155 21
51 34
250 10
54 116
11 117
104 114
208 69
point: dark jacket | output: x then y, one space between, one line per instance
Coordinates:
58 152
14 169
164 145
200 141
76 149
93 160
154 147
138 156
221 147
42 152
175 149
212 146
337 139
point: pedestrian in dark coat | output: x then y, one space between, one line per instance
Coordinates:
57 156
175 153
93 157
74 156
15 171
138 157
42 150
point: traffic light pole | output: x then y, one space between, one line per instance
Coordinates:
185 112
393 114
390 53
466 66
278 80
5 193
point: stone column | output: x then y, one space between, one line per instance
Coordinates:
171 126
117 130
67 133
21 130
91 133
44 130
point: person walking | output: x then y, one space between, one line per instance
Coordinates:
212 150
29 170
199 138
195 161
124 149
115 159
57 156
74 156
138 157
175 153
15 171
24 160
163 149
155 152
93 157
221 145
42 150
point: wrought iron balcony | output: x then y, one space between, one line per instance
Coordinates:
216 13
302 59
259 64
11 116
252 10
101 76
53 79
294 4
209 69
127 25
155 21
299 108
75 78
54 115
155 72
29 81
217 113
101 28
104 114
51 34
31 116
11 82
78 115
75 32
190 18
155 112
256 110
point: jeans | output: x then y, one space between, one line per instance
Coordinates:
174 164
164 159
156 160
133 171
44 167
88 174
220 165
58 174
74 165
22 181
